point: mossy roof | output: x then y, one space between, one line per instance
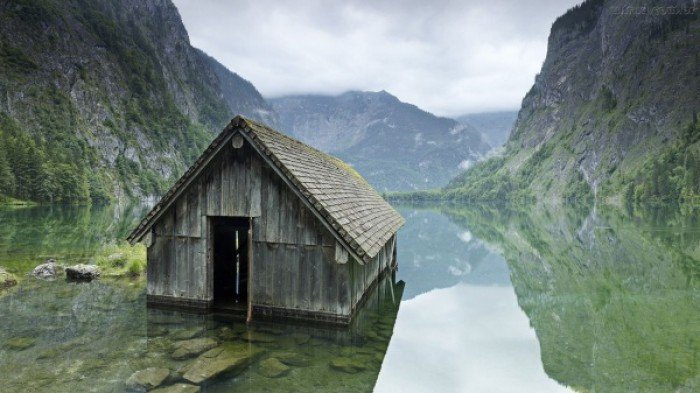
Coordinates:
356 213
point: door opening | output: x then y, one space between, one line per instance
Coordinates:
230 261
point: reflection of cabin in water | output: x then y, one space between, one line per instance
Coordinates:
264 223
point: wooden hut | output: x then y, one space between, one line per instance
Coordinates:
264 223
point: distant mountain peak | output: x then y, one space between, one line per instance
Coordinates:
393 144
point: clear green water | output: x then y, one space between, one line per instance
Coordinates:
486 299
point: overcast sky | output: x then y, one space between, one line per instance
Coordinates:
448 57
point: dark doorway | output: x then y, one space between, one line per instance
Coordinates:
230 261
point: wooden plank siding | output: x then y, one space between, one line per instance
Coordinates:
298 265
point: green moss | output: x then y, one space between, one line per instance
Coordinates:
122 259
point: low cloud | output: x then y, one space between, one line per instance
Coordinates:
448 57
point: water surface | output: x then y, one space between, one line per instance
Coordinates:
485 299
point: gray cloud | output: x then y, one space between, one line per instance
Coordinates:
448 57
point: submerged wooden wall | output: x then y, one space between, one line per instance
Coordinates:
298 267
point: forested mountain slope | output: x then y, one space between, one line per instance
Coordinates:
612 114
102 99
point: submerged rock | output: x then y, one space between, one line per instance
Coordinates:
347 365
6 279
46 270
190 348
178 388
186 334
227 334
82 272
301 338
291 358
272 368
258 337
228 358
147 379
19 343
156 331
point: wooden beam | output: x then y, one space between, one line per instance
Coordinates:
249 316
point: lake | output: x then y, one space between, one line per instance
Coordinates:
486 299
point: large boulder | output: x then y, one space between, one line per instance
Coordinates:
191 348
82 272
46 270
147 379
6 279
228 358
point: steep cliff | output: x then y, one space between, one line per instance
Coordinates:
101 99
394 145
612 114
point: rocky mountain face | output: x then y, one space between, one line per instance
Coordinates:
612 114
495 127
394 145
101 98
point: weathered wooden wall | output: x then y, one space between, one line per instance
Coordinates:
297 267
362 277
294 264
179 263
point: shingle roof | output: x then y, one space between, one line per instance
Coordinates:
359 216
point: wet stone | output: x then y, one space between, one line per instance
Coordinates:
147 379
46 270
190 348
82 272
272 368
186 334
19 343
229 358
347 365
178 388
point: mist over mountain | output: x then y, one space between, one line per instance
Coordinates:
494 126
394 145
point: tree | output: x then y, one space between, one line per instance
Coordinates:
7 179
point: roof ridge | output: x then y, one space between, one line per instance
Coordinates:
355 213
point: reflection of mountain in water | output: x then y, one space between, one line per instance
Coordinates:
613 297
435 253
72 234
